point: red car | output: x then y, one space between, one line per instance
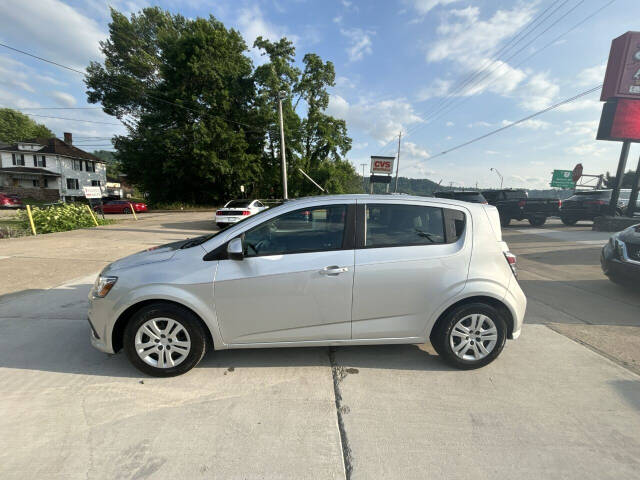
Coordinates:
121 206
8 200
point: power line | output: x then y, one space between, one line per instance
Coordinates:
514 40
462 100
517 122
130 88
58 108
74 119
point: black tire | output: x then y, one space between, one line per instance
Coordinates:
184 317
440 337
505 221
569 221
537 221
221 226
126 211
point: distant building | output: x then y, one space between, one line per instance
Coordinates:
49 169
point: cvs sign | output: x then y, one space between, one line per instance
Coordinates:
382 164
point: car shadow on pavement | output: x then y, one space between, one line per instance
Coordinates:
567 256
47 330
628 389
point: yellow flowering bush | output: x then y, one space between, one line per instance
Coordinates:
59 218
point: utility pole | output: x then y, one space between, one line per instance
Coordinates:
395 190
285 195
364 185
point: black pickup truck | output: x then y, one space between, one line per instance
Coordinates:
516 205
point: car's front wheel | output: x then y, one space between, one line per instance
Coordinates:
164 340
537 221
470 336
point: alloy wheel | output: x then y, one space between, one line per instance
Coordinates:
473 337
162 342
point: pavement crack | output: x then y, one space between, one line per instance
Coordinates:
338 373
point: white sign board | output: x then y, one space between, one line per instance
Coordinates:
382 164
92 192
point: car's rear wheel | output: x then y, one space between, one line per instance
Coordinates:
164 340
537 221
470 336
505 221
569 221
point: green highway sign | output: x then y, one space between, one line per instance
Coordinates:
563 179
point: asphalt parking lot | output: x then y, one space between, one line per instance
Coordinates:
563 401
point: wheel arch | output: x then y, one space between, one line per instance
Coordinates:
124 318
499 305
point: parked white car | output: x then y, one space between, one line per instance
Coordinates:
237 210
331 270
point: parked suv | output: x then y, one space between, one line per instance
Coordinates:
331 270
515 204
465 196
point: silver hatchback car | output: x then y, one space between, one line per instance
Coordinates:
330 270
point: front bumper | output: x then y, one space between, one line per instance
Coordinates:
100 321
615 266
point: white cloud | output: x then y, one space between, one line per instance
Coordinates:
253 24
592 76
422 7
538 92
450 124
412 150
438 88
465 38
480 123
533 124
53 29
63 99
582 104
381 120
586 128
359 42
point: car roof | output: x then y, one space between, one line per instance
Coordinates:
362 197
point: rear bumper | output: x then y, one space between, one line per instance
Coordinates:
223 219
516 301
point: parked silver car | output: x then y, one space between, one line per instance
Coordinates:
331 270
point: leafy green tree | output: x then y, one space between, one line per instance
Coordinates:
202 121
16 126
184 88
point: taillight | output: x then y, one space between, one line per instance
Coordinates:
245 213
512 261
522 203
559 203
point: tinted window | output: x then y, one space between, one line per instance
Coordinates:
518 194
473 197
238 204
258 204
306 230
599 195
389 225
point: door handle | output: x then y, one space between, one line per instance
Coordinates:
333 270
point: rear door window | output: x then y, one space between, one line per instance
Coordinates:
396 225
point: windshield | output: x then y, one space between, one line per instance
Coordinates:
238 204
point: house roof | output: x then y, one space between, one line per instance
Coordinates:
31 170
53 146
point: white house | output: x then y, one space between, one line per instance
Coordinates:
49 169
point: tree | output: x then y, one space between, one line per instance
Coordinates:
114 168
202 121
16 127
184 89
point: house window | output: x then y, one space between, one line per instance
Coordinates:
17 159
72 184
77 165
39 161
90 166
36 183
95 183
46 181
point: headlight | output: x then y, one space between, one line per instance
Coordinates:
103 285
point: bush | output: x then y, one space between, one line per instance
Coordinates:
59 219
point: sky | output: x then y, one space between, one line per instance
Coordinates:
441 71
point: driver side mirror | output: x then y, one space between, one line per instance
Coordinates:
235 249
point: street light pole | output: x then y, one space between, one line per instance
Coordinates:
364 186
285 194
395 190
499 174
